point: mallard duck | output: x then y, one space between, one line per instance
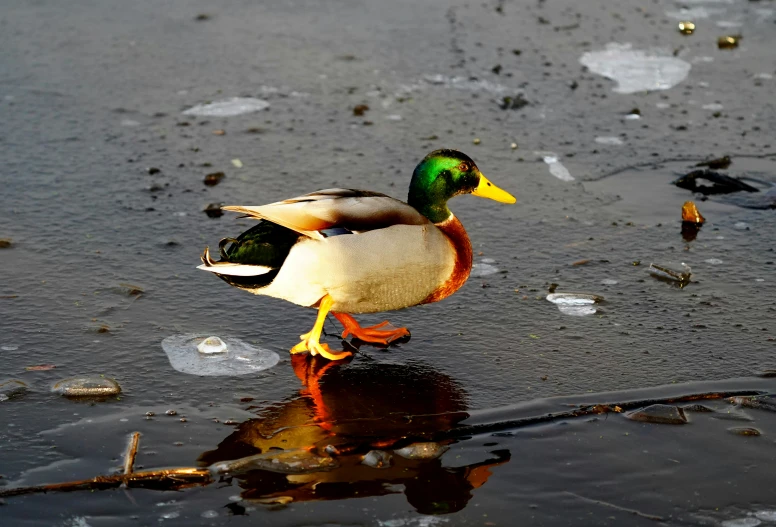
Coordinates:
350 251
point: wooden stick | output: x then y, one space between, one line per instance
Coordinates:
129 457
164 479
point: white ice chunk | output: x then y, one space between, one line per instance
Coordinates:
606 140
556 167
228 107
637 70
240 358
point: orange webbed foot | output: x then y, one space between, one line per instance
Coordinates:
371 334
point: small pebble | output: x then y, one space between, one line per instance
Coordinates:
377 459
87 386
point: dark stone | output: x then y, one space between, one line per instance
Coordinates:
659 414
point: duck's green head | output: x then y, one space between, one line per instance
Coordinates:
446 173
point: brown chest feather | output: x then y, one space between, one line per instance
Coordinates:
455 232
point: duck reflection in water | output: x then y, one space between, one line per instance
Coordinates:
377 428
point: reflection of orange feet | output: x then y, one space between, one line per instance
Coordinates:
371 334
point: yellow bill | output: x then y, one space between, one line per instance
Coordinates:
486 189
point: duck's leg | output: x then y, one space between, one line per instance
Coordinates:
312 341
371 334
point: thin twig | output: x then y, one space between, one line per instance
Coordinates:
165 479
593 409
129 457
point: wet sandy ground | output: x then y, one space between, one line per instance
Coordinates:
91 97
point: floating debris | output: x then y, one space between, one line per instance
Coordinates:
713 261
719 163
513 103
698 408
130 289
360 109
476 141
237 163
692 221
377 459
556 167
609 281
575 304
40 367
690 213
686 28
214 178
720 183
760 402
665 414
745 431
679 278
228 107
240 358
636 70
212 345
5 243
422 451
213 210
279 461
218 132
728 41
11 389
87 386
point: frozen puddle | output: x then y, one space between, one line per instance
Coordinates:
636 70
228 107
575 304
204 355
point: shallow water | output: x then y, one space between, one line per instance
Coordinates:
101 266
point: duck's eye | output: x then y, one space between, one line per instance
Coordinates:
463 167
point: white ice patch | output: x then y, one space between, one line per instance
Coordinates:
556 167
694 13
420 521
466 84
729 24
239 359
766 516
228 107
575 304
636 70
603 140
483 268
742 522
